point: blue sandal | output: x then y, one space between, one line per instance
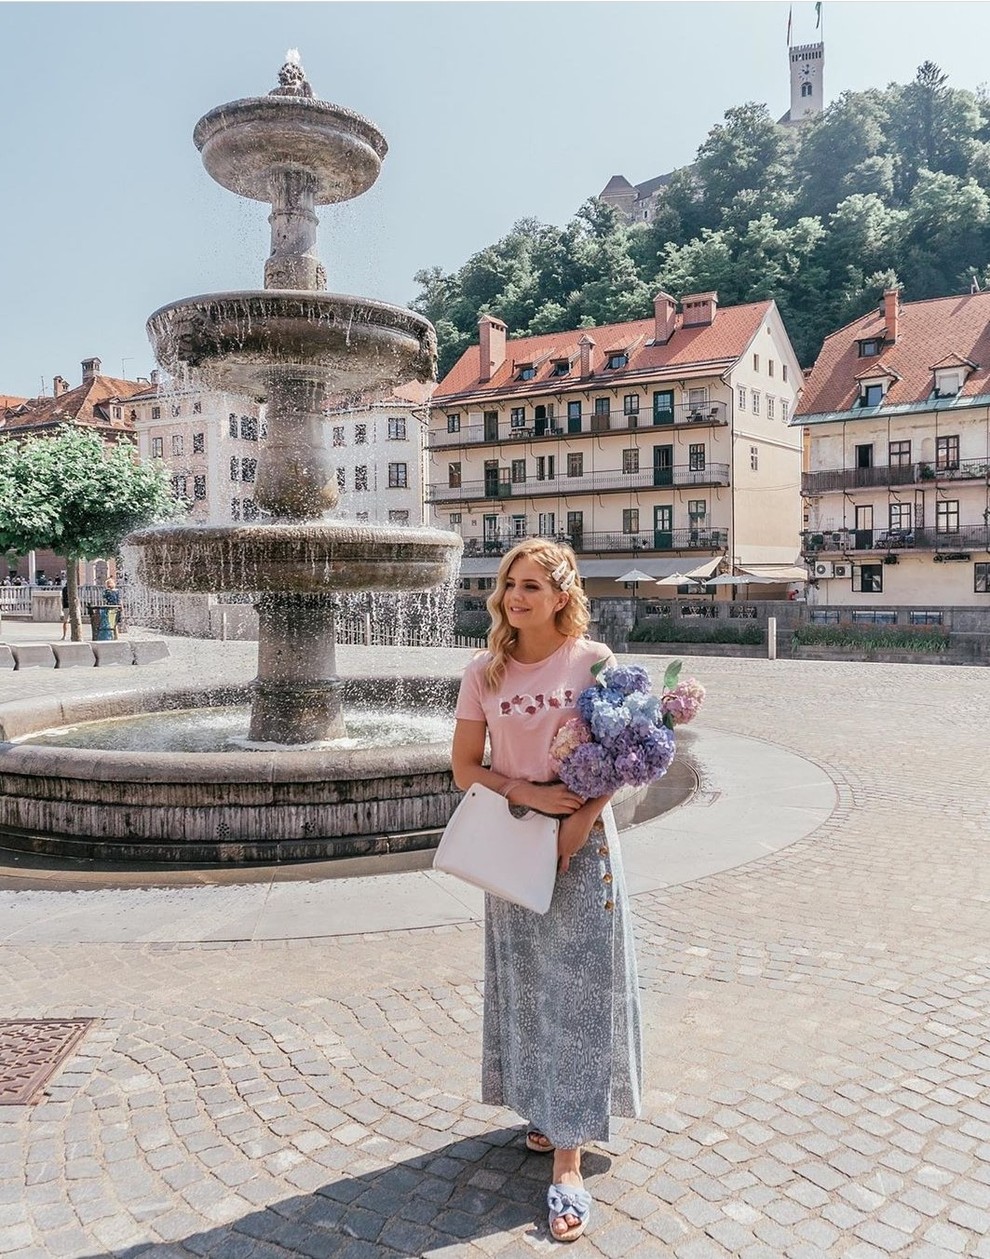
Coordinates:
568 1200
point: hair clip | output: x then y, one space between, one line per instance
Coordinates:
564 575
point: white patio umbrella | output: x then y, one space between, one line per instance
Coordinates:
678 579
635 576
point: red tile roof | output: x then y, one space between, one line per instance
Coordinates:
940 331
703 346
8 400
89 404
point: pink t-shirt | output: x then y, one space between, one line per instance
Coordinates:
531 704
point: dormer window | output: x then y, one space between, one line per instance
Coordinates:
561 367
871 396
617 360
526 371
948 383
870 347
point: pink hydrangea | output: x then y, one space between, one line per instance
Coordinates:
682 703
570 736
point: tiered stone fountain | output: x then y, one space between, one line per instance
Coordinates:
294 345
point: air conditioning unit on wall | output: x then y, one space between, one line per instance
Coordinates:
823 568
841 570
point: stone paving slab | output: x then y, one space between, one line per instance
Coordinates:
767 798
816 1023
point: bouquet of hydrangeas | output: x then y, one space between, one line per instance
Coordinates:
622 734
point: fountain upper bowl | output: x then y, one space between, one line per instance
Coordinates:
242 142
242 341
317 558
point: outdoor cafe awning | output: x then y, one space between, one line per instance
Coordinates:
776 572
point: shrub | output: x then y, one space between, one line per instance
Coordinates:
848 637
669 631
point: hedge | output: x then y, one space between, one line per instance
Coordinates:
669 631
876 638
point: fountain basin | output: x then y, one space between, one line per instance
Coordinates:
243 341
305 558
278 805
242 141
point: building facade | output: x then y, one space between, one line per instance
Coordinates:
209 441
379 448
896 421
660 444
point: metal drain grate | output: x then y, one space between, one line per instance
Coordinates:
31 1051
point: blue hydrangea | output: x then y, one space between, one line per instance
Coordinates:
627 679
631 744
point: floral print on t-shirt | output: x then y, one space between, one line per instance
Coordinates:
530 705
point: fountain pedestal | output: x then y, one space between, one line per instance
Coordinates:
296 697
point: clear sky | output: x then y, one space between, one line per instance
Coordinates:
493 112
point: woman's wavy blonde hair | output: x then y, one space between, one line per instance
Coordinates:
561 569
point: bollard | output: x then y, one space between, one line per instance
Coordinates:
367 629
771 638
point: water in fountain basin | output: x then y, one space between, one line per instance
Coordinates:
225 730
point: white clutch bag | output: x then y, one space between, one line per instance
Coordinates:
486 845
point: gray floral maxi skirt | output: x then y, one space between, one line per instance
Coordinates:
562 1038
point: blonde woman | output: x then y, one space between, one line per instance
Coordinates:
561 1040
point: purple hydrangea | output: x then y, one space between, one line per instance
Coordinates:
630 739
589 771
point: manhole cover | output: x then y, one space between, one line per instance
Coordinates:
31 1051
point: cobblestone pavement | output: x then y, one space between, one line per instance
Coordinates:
816 1021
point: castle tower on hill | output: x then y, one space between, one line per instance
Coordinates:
637 203
807 82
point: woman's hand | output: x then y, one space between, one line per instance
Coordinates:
552 798
572 835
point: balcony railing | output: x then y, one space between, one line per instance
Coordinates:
965 538
590 483
838 479
608 422
691 539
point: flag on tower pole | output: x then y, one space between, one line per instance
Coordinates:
818 14
790 19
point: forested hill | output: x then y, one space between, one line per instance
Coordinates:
884 186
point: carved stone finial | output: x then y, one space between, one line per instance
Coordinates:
292 79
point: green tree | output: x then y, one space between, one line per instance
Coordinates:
932 127
946 234
74 494
840 149
748 151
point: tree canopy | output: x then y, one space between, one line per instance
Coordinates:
76 495
887 185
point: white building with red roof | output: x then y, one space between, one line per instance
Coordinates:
662 444
896 420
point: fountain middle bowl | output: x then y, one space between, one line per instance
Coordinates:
316 558
242 341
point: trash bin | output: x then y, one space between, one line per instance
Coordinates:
103 619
